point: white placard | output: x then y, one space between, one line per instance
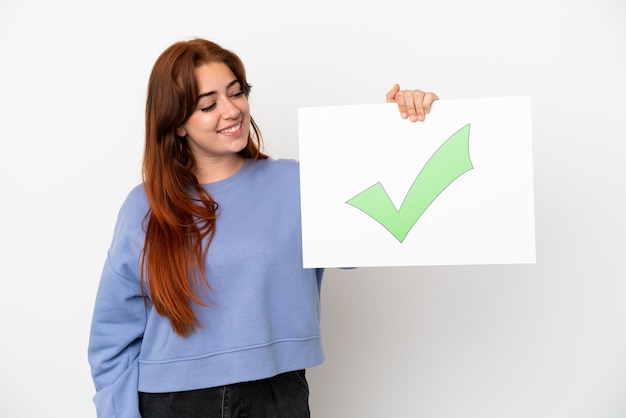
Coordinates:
456 189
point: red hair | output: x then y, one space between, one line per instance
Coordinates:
181 219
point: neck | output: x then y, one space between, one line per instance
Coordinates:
216 169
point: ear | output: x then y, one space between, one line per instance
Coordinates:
180 131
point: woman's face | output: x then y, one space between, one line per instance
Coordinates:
219 126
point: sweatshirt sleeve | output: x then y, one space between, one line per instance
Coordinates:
117 327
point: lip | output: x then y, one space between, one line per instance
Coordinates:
228 130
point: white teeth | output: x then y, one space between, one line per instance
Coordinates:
231 130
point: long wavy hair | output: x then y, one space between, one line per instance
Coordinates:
181 220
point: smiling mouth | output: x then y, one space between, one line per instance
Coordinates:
231 130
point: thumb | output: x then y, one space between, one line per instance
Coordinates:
391 94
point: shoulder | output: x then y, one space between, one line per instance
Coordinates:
136 202
277 177
133 210
279 167
129 235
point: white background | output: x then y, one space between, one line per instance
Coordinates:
545 340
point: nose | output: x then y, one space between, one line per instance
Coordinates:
230 110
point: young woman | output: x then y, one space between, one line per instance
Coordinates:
203 307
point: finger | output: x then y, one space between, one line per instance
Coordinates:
418 99
429 98
402 106
391 94
413 100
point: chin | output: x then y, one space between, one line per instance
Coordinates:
241 147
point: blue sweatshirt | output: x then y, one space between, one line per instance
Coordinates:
263 309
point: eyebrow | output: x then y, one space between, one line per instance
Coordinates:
210 93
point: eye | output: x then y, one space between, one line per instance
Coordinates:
208 108
238 94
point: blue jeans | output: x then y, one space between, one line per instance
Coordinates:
283 396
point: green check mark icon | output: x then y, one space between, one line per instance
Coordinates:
447 164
